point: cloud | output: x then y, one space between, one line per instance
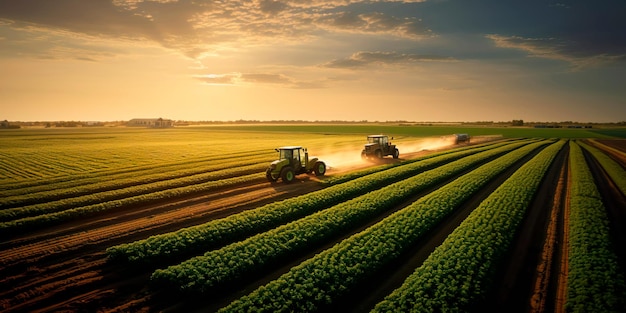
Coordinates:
558 49
579 33
88 17
272 7
218 79
266 79
259 79
35 42
365 58
374 23
95 20
195 27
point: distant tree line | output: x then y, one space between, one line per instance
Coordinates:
516 122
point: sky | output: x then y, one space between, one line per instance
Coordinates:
315 60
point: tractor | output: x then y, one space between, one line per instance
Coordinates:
293 160
378 146
459 138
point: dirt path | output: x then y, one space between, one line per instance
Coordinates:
553 257
559 288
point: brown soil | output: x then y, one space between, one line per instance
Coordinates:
616 148
544 275
65 268
619 144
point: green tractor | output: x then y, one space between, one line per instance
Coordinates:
378 146
293 160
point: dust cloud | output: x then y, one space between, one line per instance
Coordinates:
346 158
428 144
349 157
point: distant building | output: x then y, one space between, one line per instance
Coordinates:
151 122
6 125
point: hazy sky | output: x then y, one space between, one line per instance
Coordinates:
455 60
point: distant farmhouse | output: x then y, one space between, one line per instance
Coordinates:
151 122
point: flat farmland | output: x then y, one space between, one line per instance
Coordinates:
183 220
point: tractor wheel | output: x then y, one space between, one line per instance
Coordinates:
268 174
396 153
379 154
287 175
319 169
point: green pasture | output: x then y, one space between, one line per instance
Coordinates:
430 131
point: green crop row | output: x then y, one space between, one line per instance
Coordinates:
61 187
37 157
203 273
615 171
29 223
595 283
33 167
34 203
50 157
214 234
127 192
319 280
456 276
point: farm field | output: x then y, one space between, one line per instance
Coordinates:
184 220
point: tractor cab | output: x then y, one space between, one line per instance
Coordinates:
378 140
294 155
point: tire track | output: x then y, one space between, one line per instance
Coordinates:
543 297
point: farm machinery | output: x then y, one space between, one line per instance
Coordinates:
459 138
292 161
378 146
